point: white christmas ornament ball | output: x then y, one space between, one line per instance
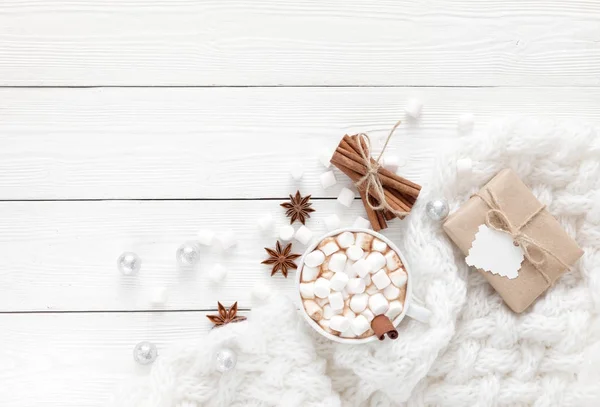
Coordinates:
129 263
145 353
437 209
188 254
225 360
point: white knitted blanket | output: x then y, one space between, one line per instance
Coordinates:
475 352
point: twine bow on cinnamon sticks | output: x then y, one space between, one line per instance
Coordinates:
385 195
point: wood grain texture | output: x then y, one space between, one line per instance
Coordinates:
75 360
307 42
232 143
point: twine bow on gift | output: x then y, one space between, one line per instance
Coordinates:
533 251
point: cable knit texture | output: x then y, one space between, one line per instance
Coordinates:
475 352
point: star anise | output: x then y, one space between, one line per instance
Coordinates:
298 208
225 316
281 259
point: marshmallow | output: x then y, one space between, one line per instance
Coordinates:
339 281
339 323
368 314
337 262
314 258
328 312
332 222
391 292
205 237
345 239
354 253
399 278
378 304
346 197
159 296
327 179
313 310
330 248
355 286
413 108
303 235
371 289
376 261
322 301
309 273
322 287
345 294
363 240
228 239
266 223
336 301
259 293
381 279
379 245
325 157
217 274
349 314
391 162
361 223
348 269
327 274
348 333
466 121
286 233
307 290
324 323
360 325
394 310
367 279
361 268
392 261
297 171
359 302
464 167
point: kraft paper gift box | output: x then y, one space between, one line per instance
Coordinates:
518 204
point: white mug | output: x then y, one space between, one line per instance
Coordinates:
410 308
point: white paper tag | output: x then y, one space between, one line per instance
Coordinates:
495 252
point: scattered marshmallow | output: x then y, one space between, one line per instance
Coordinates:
314 258
379 245
346 197
286 233
259 293
205 237
337 262
391 292
368 314
392 261
394 310
376 261
339 323
307 290
336 301
466 121
381 279
217 274
378 304
309 273
325 157
391 162
332 222
228 239
359 302
361 268
322 289
360 325
313 310
303 235
327 179
330 248
464 167
345 239
399 278
363 240
266 223
339 281
297 171
413 108
159 296
361 223
355 286
354 252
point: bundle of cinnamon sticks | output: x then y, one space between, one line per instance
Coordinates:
400 193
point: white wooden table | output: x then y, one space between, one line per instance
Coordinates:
129 125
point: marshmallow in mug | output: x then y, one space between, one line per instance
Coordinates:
355 276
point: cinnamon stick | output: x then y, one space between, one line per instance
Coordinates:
382 326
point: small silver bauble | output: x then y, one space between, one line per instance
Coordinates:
188 254
145 353
129 263
437 209
225 360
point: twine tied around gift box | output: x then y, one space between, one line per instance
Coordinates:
533 251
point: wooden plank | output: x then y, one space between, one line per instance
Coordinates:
269 42
231 143
74 360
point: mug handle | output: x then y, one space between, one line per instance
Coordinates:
418 313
